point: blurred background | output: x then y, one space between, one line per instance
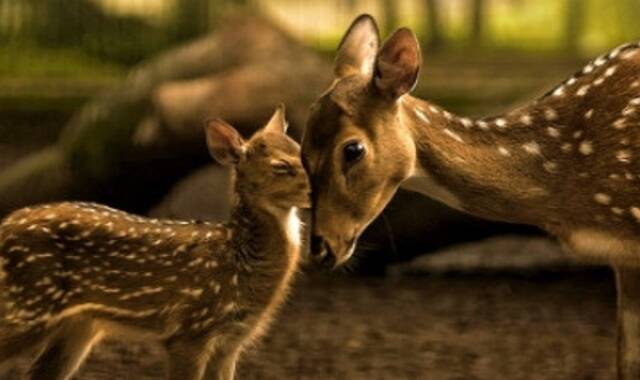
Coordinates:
103 100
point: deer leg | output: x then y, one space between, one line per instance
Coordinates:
628 359
187 360
223 364
65 351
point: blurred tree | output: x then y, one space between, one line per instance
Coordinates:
628 11
191 18
575 14
390 13
432 30
85 25
477 21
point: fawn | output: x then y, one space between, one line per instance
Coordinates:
566 162
78 272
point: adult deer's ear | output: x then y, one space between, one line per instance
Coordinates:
358 48
278 122
224 142
398 64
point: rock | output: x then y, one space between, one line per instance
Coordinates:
499 254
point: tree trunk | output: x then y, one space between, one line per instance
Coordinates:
477 22
154 119
574 25
432 29
192 18
390 12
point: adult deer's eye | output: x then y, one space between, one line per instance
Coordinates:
353 152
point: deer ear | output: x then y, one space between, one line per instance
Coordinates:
398 64
278 122
224 142
358 48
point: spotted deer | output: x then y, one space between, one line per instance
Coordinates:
568 162
78 272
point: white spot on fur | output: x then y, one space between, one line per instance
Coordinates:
582 91
635 211
531 147
566 147
628 111
620 123
501 123
629 54
504 151
602 198
553 132
525 119
482 125
610 71
558 92
617 210
466 122
586 148
550 166
422 115
624 156
193 292
550 114
453 135
588 114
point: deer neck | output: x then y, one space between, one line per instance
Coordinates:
493 168
265 235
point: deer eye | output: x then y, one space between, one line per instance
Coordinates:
353 152
282 167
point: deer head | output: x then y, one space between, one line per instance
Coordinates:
267 167
355 149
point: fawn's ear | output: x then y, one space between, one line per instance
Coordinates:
398 64
358 48
224 142
278 122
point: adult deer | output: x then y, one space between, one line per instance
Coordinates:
566 162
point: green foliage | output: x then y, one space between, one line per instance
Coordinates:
29 61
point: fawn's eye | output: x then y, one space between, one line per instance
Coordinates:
281 167
353 151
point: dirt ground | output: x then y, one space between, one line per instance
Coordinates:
540 326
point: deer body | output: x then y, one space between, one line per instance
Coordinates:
78 272
567 162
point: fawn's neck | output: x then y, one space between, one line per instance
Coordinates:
264 235
492 168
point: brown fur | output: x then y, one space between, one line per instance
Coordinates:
567 162
78 272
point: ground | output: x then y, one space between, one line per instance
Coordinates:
547 325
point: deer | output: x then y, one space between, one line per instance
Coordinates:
567 162
75 272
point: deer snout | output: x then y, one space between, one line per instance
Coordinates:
331 254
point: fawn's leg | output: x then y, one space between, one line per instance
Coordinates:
628 360
65 350
223 363
187 360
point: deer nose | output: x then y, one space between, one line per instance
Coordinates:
321 252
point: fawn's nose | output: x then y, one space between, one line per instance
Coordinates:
321 252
